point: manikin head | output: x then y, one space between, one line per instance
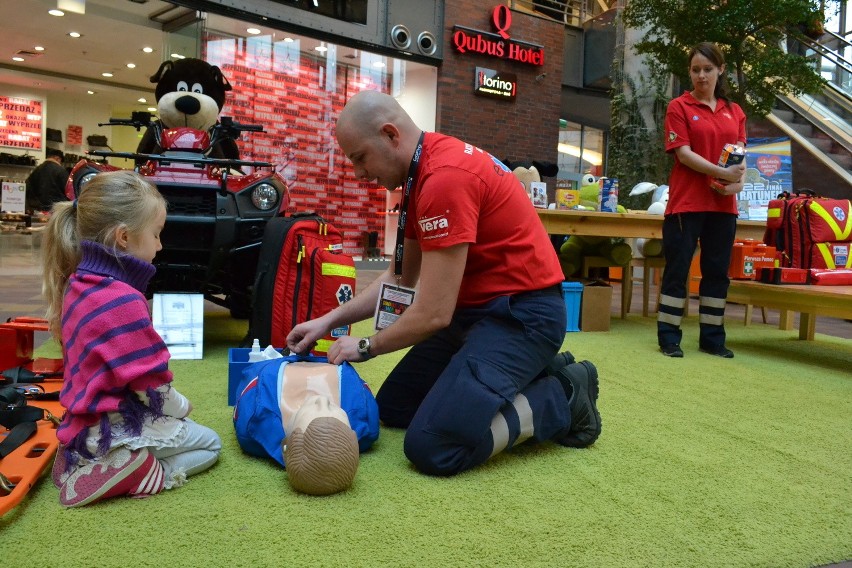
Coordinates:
321 449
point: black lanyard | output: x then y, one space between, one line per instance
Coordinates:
403 208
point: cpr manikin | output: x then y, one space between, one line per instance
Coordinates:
320 449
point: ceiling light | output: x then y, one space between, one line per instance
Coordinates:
378 64
38 48
17 59
106 74
152 109
321 48
253 31
178 56
75 34
56 12
142 100
131 66
90 92
147 49
288 40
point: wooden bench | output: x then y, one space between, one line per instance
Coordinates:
809 301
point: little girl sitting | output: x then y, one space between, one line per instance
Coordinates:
125 430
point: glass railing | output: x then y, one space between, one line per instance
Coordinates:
831 110
569 12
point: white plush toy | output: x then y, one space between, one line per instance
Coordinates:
652 247
658 200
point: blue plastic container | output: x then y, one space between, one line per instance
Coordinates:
572 293
238 359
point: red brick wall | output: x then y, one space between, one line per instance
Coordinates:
521 130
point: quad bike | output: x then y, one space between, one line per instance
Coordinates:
216 215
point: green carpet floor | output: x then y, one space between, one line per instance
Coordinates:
702 462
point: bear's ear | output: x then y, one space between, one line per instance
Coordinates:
164 68
219 78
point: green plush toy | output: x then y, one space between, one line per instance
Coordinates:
589 193
571 252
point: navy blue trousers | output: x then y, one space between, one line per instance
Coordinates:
682 233
477 387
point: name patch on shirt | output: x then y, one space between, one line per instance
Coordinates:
434 227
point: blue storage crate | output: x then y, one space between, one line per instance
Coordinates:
572 293
237 361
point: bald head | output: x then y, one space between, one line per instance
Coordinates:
378 136
367 111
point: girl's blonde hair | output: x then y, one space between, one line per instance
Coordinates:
111 200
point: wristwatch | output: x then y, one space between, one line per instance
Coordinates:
364 348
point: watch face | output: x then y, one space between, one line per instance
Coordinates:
363 345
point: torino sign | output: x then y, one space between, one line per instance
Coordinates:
500 44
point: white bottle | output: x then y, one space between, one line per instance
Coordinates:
255 354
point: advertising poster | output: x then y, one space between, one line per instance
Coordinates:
20 123
296 98
769 172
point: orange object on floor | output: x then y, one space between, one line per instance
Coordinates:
24 465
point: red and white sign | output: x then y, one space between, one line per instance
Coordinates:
500 44
20 123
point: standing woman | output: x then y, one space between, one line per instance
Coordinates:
698 125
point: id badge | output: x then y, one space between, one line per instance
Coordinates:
393 301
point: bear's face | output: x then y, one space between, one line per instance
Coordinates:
190 92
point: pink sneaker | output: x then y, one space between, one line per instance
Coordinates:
122 472
58 474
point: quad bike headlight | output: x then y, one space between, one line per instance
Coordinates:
264 197
85 179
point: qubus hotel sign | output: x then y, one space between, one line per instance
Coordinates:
490 83
500 44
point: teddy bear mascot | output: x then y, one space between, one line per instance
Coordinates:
190 93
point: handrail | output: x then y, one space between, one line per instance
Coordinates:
806 144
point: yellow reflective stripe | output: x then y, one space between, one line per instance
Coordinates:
331 269
773 212
826 255
839 234
322 346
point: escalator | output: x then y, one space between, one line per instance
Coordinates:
822 123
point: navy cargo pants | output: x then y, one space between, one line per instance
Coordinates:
476 387
681 235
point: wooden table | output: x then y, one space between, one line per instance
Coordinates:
596 223
810 301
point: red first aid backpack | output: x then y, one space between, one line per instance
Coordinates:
810 231
302 274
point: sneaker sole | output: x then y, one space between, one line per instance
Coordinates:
84 493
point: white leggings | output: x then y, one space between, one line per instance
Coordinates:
192 454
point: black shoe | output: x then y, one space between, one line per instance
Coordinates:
560 360
720 351
585 418
671 350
